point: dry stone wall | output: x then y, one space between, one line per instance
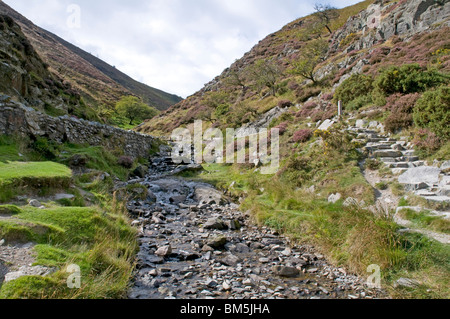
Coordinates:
16 118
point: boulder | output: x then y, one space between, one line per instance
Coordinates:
361 123
34 203
406 283
78 160
424 174
3 272
326 125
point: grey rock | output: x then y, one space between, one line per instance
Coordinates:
283 271
164 251
387 153
334 198
140 171
3 271
425 174
34 203
361 123
215 223
406 283
217 242
230 260
326 125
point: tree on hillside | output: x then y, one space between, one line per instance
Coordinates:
236 78
310 57
134 109
265 73
326 14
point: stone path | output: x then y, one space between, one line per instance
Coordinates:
430 183
195 244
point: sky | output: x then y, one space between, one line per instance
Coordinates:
173 45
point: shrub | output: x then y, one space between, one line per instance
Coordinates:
282 128
426 141
373 164
284 104
355 86
406 79
328 96
359 102
401 107
302 136
398 121
432 111
125 161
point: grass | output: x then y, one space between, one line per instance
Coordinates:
19 170
23 177
351 237
101 243
98 238
425 220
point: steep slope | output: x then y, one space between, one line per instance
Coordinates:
366 37
24 76
99 82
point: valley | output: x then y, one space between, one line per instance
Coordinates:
358 208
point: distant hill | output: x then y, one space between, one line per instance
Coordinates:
98 82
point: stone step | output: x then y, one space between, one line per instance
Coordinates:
398 171
417 164
411 159
438 199
388 160
425 193
409 153
399 165
388 153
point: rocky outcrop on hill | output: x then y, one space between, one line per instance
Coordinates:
16 118
26 77
379 22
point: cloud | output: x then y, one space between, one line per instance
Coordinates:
173 45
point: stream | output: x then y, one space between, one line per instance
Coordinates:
196 244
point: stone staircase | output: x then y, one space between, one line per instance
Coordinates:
429 182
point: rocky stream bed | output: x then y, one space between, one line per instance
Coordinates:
196 244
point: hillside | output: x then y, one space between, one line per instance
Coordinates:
355 46
98 82
368 187
26 77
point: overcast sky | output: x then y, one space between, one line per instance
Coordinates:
173 45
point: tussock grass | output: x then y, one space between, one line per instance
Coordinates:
103 245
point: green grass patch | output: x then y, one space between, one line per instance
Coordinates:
425 220
19 170
102 244
23 177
